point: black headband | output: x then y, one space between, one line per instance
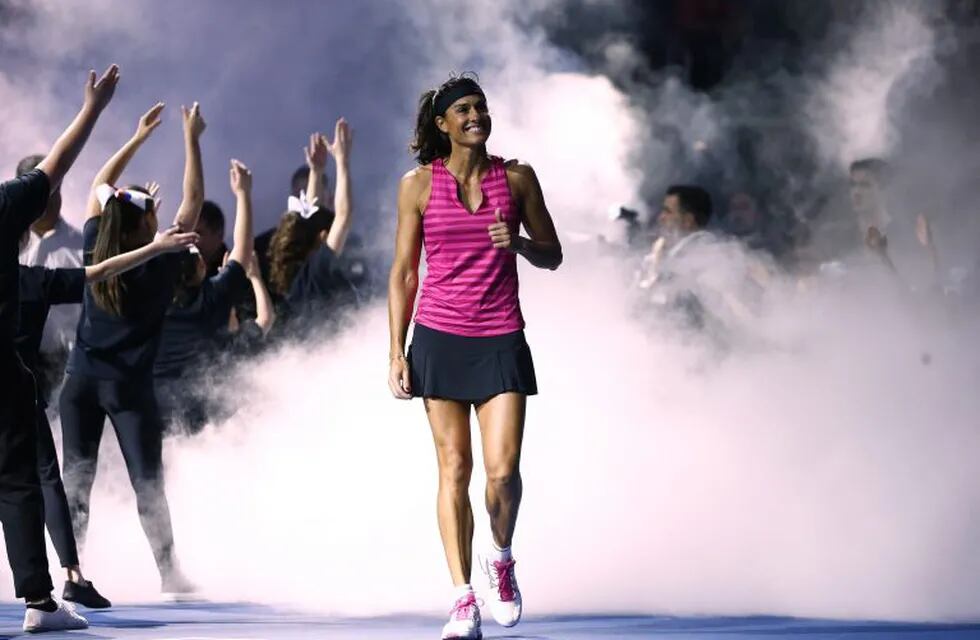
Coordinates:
442 100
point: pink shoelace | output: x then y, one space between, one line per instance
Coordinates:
504 579
463 609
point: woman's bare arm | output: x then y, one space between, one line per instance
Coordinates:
113 169
193 188
403 281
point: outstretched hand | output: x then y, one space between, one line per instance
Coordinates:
153 188
99 92
173 240
343 139
149 121
316 152
194 124
240 178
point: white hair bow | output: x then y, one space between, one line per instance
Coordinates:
105 191
302 205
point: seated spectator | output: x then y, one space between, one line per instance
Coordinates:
694 275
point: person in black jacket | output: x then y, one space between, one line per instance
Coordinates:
196 324
22 201
40 288
110 368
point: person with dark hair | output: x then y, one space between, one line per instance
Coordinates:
686 208
198 317
110 368
22 201
890 240
681 226
40 288
304 270
211 229
52 243
867 194
468 347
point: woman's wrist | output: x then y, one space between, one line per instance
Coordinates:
397 356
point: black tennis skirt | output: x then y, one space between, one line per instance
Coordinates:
444 365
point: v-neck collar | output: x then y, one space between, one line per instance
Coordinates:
457 188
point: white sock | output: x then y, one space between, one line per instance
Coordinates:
463 590
499 555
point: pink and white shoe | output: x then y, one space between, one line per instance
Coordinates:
504 597
464 620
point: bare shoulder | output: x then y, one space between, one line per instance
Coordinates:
520 175
416 185
518 168
418 178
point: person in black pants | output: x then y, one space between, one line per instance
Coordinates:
22 201
110 367
196 324
40 288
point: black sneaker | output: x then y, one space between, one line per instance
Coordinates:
85 595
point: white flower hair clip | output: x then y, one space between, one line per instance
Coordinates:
302 205
106 191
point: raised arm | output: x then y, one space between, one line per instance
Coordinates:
316 162
923 233
241 185
542 248
403 281
342 202
265 311
114 167
69 144
193 198
169 241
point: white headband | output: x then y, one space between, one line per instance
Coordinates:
301 205
105 191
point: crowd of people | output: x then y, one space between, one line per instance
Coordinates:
125 319
696 265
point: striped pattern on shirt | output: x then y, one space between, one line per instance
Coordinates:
470 287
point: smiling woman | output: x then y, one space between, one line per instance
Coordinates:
468 347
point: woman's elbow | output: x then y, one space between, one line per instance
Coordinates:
404 278
557 259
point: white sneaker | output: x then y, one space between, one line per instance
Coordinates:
175 587
63 618
504 597
464 620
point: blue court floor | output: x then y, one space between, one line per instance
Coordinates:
242 621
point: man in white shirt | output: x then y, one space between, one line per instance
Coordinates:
54 244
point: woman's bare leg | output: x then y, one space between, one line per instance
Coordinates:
450 422
502 428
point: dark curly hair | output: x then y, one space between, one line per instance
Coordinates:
429 143
291 244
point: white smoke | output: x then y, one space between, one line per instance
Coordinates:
824 467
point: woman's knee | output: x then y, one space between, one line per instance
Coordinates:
503 472
455 467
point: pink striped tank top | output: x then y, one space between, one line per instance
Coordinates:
470 287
